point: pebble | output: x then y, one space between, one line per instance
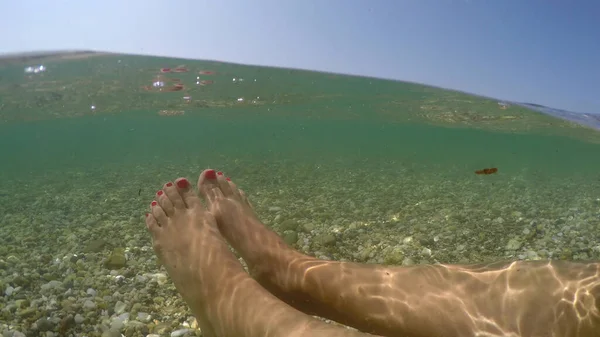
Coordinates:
407 262
51 285
180 332
123 317
532 255
89 305
111 333
91 292
12 259
160 278
513 244
78 319
117 324
143 317
9 291
44 324
120 307
426 252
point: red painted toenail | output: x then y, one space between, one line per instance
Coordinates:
210 174
154 203
159 193
183 183
220 173
228 179
147 214
169 184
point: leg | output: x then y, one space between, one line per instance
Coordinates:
225 300
508 299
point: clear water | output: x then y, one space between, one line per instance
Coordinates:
384 168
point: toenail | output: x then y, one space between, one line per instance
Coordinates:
159 193
147 214
210 174
183 183
228 179
169 184
154 203
220 173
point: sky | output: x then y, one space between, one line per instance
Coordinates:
540 51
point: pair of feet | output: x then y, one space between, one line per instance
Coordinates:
189 239
518 298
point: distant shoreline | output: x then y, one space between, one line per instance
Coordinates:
48 56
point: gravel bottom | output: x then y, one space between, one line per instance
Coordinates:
76 259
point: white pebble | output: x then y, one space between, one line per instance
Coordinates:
117 325
78 319
532 255
143 317
91 292
160 278
9 290
180 332
89 304
120 307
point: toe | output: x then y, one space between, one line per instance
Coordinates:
207 183
172 194
187 194
244 198
212 195
151 223
224 184
235 192
158 213
165 202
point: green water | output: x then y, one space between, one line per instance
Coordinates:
384 170
128 139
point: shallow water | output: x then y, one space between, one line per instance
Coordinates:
343 167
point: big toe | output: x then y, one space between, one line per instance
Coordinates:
171 200
212 185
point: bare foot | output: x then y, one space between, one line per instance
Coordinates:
224 299
538 298
276 266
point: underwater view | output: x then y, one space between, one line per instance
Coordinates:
342 167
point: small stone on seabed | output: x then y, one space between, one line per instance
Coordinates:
9 290
89 305
143 317
119 307
78 319
513 244
180 332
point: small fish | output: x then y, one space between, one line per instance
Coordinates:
139 192
491 170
